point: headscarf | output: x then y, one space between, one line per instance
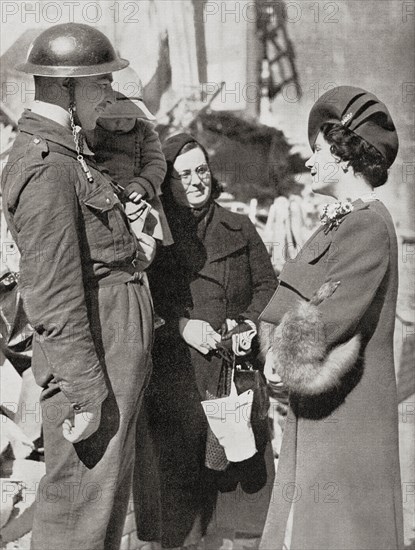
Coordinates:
189 226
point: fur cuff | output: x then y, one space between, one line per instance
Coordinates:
299 348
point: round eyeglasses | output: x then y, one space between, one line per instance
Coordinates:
202 172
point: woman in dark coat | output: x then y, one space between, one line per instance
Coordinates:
338 482
217 269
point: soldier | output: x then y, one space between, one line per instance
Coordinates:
80 278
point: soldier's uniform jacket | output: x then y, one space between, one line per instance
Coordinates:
73 236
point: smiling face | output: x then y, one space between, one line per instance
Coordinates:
325 168
92 95
191 184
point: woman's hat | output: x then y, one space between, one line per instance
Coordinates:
131 106
359 111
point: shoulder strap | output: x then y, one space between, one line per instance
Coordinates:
56 148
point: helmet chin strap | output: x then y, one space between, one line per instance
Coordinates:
77 134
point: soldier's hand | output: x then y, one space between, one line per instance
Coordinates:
84 425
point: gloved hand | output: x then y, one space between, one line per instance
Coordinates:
273 378
198 334
239 335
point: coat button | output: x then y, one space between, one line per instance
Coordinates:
76 407
107 201
36 140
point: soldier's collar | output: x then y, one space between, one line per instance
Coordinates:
53 112
57 114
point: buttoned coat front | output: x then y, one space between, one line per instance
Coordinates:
227 276
338 470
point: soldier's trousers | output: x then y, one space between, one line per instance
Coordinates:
82 500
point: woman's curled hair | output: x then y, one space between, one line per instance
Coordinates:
360 155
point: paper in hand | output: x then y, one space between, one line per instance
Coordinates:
137 214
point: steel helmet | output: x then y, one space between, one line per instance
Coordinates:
72 50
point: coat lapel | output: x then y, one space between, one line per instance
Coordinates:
224 237
303 275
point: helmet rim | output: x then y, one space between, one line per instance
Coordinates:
72 71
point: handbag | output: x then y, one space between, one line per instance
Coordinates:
215 456
238 415
229 418
16 333
246 377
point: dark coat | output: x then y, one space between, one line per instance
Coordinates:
339 463
228 275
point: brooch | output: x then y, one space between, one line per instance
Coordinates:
346 118
334 212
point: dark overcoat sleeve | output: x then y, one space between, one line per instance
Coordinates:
263 279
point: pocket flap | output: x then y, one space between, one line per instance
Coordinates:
102 199
315 253
316 247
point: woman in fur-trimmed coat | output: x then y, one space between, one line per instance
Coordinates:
330 341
